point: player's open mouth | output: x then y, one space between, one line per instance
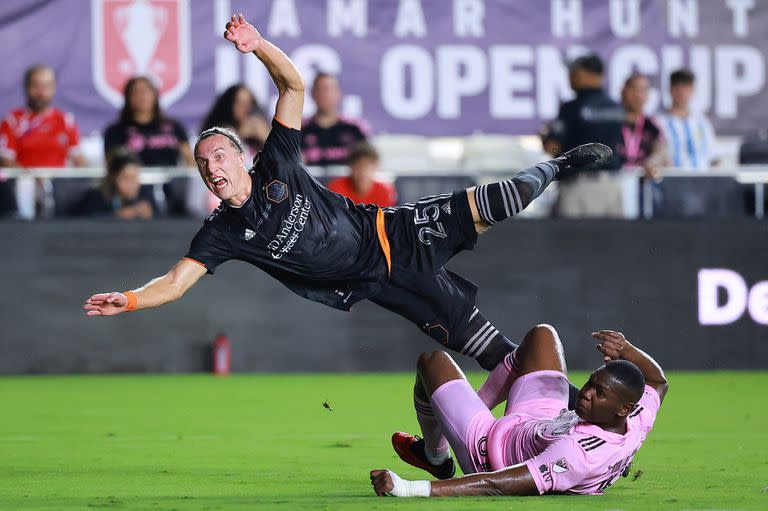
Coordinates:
219 182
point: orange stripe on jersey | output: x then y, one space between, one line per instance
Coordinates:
383 240
194 261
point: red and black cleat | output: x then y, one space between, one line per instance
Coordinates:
411 450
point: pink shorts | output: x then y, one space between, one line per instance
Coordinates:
466 420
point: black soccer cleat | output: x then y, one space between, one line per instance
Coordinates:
411 450
584 157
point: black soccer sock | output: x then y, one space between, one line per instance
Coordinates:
482 341
499 201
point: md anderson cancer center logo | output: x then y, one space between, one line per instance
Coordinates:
291 227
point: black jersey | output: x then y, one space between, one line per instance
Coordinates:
316 242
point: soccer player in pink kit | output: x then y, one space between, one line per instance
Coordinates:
538 446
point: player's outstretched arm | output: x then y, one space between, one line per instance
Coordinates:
613 346
515 480
167 288
290 85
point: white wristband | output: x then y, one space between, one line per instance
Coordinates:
404 488
419 488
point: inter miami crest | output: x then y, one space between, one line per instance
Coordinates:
276 191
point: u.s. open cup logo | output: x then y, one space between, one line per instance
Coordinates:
141 38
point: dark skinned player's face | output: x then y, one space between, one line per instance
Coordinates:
601 400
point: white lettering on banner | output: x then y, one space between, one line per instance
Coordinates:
566 18
737 298
221 13
741 72
700 62
683 18
521 82
468 16
758 303
625 17
505 71
628 59
461 71
552 83
226 66
283 20
404 65
740 9
351 15
410 19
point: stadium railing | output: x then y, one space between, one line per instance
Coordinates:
755 176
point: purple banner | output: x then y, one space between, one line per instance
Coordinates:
434 67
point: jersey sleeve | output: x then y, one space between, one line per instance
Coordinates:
646 409
210 248
560 467
8 142
283 143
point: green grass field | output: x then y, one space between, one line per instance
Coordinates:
266 441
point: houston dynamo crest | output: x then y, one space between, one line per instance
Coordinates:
141 37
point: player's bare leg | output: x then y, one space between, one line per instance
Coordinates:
540 350
431 453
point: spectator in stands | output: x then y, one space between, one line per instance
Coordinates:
37 135
145 130
689 135
591 117
236 108
642 143
120 194
327 137
361 185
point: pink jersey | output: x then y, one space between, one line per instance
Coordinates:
567 454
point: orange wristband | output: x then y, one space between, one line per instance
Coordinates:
131 300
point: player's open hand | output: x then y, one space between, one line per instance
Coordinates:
106 304
612 344
244 35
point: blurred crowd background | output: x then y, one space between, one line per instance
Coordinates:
669 159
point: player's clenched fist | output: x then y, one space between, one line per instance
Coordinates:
106 304
244 35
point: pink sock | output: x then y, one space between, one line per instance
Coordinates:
435 443
495 389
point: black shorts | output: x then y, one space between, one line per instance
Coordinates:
423 236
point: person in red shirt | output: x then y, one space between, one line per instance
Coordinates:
39 135
361 184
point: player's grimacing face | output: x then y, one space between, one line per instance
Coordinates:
221 166
599 401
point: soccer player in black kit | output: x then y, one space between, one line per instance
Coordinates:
329 250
